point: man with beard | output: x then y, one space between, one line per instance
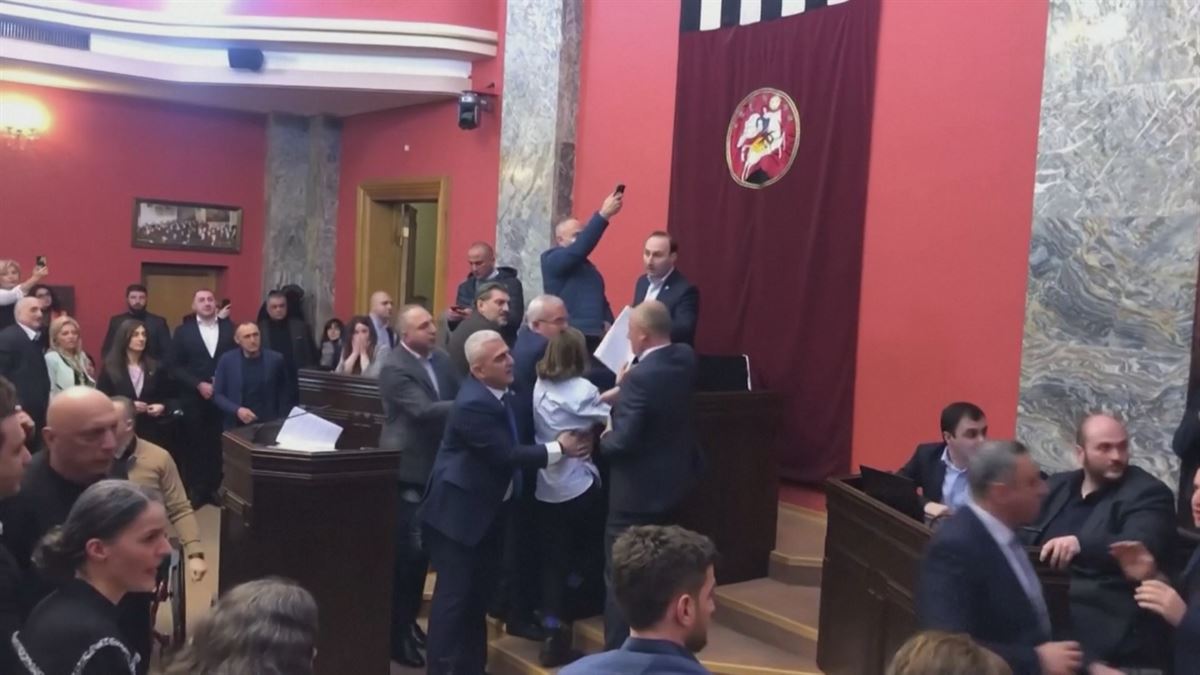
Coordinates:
663 580
940 469
490 313
158 335
1086 511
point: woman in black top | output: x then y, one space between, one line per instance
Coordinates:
130 372
112 543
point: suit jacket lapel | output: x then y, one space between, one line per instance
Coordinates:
1054 505
416 368
1009 572
938 473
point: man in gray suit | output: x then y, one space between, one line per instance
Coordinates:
417 386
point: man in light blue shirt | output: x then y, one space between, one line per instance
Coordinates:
940 469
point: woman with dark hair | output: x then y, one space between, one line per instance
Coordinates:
130 372
331 344
570 502
112 543
360 350
265 627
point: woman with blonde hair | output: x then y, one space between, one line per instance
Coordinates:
68 364
265 627
13 289
938 653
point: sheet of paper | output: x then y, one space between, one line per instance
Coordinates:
307 432
614 350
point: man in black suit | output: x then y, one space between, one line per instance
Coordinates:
381 317
1186 444
481 259
158 335
665 283
976 578
475 476
21 361
195 350
940 469
417 386
289 336
1085 512
13 459
652 451
546 319
490 313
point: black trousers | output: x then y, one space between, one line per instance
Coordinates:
571 538
457 642
202 466
616 630
411 565
516 591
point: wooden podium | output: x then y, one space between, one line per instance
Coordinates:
735 502
869 581
324 520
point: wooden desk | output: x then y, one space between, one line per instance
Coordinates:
735 503
869 580
325 520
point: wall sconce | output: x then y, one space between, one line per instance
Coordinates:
22 119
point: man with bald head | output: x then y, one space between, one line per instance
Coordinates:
568 274
195 350
417 386
381 316
475 477
252 384
22 363
1105 501
481 261
80 446
652 452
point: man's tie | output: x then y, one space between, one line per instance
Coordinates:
1031 584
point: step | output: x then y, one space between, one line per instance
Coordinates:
799 547
773 612
727 653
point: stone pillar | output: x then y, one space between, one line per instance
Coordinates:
540 98
1113 258
303 157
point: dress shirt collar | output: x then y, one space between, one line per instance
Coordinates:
33 334
498 393
999 531
662 280
207 323
418 357
495 273
950 468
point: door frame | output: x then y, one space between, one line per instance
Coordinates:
429 189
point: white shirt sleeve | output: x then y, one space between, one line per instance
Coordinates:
10 296
553 452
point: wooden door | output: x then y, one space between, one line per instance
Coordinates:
171 287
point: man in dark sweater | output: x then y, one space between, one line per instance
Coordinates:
287 335
481 259
251 384
13 458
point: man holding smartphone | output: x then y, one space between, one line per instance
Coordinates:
567 272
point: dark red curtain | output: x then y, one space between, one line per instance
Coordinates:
779 266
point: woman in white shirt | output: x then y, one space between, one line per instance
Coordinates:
570 503
66 361
13 289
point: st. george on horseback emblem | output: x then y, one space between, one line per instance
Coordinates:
763 136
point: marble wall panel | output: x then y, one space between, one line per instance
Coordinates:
1116 225
537 135
303 160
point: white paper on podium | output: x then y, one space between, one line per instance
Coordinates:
306 432
614 350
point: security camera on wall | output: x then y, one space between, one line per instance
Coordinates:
471 105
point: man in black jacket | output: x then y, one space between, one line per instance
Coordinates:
1186 444
195 350
653 454
22 362
1085 512
13 459
940 469
491 310
158 335
289 336
481 258
663 282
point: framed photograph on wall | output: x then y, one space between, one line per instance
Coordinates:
185 226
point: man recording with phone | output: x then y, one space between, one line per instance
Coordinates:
567 272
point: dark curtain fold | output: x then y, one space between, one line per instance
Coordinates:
779 267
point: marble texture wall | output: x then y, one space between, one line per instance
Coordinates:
303 159
537 135
1116 225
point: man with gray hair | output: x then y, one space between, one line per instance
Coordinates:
976 577
475 476
22 363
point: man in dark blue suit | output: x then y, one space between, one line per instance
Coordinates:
652 451
547 317
663 579
940 469
476 473
976 577
252 384
567 272
663 282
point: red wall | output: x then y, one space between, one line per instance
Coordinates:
625 129
949 204
470 13
70 195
